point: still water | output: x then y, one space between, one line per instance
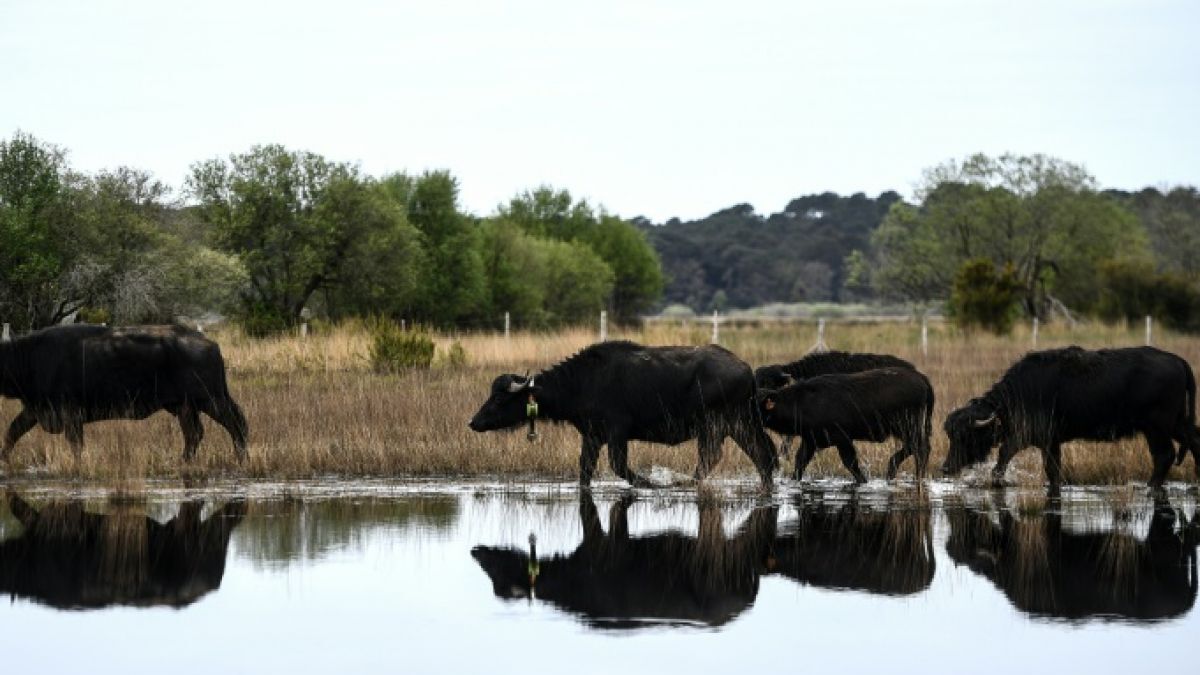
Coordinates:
479 578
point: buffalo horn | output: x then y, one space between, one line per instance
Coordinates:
986 422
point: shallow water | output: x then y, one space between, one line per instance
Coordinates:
423 577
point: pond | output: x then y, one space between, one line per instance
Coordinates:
499 578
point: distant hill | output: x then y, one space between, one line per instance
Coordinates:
738 258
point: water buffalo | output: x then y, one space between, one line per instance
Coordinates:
67 376
824 363
837 410
1045 570
1051 397
884 550
821 363
615 392
68 558
614 580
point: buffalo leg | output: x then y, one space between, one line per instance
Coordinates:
755 442
589 454
1004 456
229 415
193 431
897 459
804 455
1162 451
618 460
1052 462
710 453
850 460
20 426
785 447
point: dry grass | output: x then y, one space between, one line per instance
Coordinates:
315 408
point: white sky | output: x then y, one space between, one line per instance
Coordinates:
654 108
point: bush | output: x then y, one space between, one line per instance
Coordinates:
985 297
1133 290
454 357
393 349
261 320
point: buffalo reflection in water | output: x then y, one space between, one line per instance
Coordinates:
613 580
68 558
1047 571
884 550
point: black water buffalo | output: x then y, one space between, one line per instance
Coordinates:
68 376
821 363
68 558
824 363
1051 397
885 550
614 580
1047 571
837 410
615 392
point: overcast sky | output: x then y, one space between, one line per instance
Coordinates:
654 108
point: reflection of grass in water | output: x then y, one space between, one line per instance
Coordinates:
1032 575
278 532
315 408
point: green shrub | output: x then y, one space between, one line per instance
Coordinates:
95 315
984 297
393 349
261 320
1132 290
456 356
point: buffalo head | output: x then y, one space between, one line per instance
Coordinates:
973 430
772 377
506 408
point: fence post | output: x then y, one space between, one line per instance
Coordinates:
403 326
6 335
1035 332
507 325
1149 330
716 334
924 335
603 325
820 346
304 331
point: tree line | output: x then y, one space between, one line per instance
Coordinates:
273 234
987 239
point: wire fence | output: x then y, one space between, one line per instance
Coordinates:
504 325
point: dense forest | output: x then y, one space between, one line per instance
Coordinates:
272 235
739 258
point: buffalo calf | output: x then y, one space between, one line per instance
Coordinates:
838 409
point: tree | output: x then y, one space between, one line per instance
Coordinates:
1037 215
452 281
636 270
38 286
293 219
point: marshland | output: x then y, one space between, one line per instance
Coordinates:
318 408
404 222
